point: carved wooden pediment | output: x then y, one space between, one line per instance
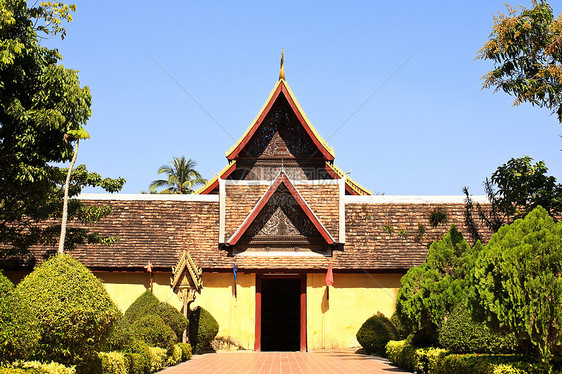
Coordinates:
282 221
186 275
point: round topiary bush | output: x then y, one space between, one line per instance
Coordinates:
203 328
460 334
375 332
18 332
73 311
152 330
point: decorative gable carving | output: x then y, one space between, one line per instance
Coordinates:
282 221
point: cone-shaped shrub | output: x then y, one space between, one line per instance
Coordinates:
203 328
73 311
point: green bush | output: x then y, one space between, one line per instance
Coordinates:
147 304
518 282
121 336
489 364
431 291
39 368
185 351
158 357
428 359
18 330
143 305
375 333
174 355
460 334
73 311
401 328
173 318
138 362
152 330
402 354
203 328
113 363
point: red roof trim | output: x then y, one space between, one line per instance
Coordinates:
215 184
281 88
308 130
282 178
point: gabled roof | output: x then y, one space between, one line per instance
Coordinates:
281 179
281 88
351 186
214 182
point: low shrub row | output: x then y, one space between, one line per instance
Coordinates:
36 367
144 360
440 361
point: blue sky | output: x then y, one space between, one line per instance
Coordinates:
430 130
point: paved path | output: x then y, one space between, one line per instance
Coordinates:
247 362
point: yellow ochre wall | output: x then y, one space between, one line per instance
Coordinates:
124 288
333 323
235 315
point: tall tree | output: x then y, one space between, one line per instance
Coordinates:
41 105
514 189
182 177
518 284
526 48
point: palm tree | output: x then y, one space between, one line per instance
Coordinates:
182 177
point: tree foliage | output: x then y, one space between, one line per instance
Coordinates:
72 309
181 177
432 290
42 108
518 282
526 48
514 189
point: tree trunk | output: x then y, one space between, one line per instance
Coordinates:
65 201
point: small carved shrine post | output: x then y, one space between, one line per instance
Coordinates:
185 281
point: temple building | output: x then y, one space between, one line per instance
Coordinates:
267 232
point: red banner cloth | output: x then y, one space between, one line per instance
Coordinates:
329 280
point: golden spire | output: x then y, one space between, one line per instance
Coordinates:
282 70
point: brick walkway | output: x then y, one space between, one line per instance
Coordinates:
325 362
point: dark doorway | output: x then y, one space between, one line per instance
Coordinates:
280 314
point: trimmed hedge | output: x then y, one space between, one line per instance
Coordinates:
158 357
73 311
145 303
439 361
402 354
460 334
152 330
428 359
173 318
113 363
174 355
375 333
37 367
18 331
203 328
185 351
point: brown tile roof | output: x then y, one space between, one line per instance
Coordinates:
379 237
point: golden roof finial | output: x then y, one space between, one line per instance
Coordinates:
282 70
